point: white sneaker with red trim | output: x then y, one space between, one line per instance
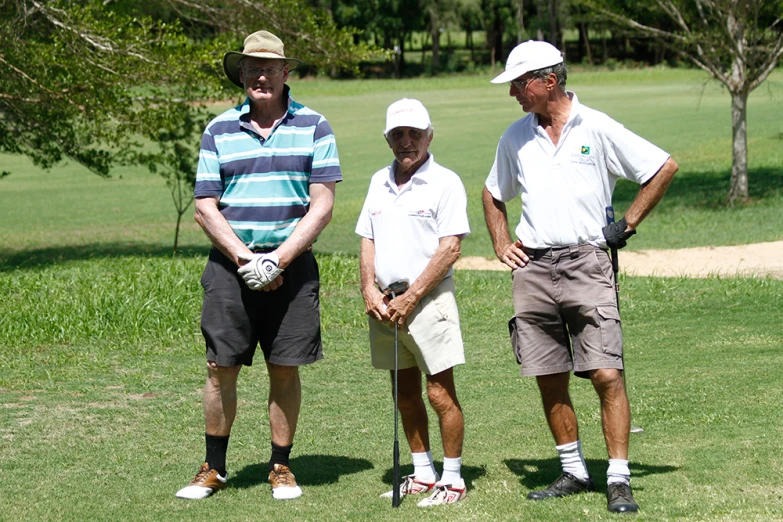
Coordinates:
445 494
412 486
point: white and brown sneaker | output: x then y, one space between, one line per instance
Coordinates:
410 485
283 483
206 482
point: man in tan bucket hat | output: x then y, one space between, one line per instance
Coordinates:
264 192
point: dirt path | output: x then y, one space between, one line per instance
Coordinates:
759 259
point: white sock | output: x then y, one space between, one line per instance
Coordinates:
423 467
573 460
618 472
451 471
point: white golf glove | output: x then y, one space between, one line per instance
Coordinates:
260 270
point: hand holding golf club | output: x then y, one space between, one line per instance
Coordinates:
260 269
400 307
616 234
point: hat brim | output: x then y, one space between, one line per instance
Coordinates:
508 75
231 63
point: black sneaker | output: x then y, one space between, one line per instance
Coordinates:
620 499
566 484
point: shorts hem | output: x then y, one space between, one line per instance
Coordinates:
445 365
284 361
601 365
228 362
545 370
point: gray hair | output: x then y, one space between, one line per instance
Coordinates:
559 70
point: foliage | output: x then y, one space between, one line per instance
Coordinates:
739 43
81 81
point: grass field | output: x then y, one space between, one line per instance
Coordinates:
102 373
102 367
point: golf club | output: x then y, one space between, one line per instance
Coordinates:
393 290
616 270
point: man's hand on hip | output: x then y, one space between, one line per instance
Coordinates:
260 270
616 234
513 255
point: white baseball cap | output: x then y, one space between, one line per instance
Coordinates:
407 112
529 56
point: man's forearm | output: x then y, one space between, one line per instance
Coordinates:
650 194
367 264
497 222
217 229
445 256
311 225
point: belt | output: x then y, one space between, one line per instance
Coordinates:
570 250
270 250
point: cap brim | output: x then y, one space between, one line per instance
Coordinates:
508 75
232 58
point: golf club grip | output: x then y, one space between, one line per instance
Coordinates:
615 261
396 475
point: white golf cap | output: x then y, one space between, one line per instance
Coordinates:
529 56
406 113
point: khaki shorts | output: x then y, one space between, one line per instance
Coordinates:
565 312
430 338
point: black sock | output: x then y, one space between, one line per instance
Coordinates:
279 455
216 452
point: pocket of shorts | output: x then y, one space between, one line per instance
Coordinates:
514 334
611 332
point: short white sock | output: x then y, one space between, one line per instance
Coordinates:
423 467
618 472
451 471
573 460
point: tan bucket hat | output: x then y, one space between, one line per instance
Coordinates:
261 44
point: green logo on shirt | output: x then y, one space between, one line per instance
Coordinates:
585 149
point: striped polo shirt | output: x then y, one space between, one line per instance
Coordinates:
263 184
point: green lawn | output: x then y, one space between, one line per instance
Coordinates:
103 368
103 360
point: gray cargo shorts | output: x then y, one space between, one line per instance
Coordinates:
565 312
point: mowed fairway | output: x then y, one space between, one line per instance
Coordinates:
103 366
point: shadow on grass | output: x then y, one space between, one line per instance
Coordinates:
537 474
312 470
469 473
707 189
46 256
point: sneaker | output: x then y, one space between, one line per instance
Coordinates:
566 484
620 499
207 481
445 494
412 486
283 483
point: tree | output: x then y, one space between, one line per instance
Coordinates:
737 42
96 81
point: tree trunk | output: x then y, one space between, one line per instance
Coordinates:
738 188
554 38
435 32
176 231
520 21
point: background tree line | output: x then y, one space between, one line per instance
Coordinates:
119 82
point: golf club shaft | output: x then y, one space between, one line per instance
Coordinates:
396 467
616 270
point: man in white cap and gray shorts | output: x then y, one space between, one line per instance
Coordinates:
564 159
412 223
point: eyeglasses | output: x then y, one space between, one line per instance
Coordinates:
521 85
256 72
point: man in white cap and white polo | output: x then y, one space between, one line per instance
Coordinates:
264 191
564 159
412 223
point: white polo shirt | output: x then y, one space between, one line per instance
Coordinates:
566 188
407 224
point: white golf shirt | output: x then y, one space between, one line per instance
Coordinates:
406 224
566 188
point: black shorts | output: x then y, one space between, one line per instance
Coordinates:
286 322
